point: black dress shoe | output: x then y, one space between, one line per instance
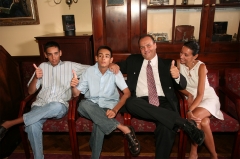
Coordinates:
3 131
196 135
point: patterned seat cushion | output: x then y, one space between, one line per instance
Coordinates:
142 125
227 125
232 80
56 125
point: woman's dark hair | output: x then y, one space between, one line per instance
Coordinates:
51 44
146 35
194 46
105 47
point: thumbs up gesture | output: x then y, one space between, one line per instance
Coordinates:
38 72
174 70
74 81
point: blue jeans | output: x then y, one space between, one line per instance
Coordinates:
102 125
34 120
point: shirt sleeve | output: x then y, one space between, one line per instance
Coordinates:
177 80
79 68
83 83
120 81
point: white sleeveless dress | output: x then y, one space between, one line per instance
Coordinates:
210 100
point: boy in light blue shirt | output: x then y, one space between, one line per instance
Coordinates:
101 103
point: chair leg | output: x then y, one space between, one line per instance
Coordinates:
25 142
71 142
127 121
236 148
75 141
184 147
180 145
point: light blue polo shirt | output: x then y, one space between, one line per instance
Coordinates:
101 88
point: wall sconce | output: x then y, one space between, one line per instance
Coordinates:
68 2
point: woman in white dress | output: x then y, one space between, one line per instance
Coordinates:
202 99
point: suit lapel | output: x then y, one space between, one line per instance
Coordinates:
163 75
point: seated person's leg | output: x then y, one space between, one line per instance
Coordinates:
34 132
140 108
50 110
97 114
164 141
96 141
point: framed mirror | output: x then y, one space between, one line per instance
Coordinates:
18 12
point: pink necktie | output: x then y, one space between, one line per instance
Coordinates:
152 91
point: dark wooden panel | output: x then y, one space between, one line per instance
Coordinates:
97 23
11 95
116 28
136 24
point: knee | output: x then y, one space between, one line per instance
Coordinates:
84 106
55 106
33 128
205 122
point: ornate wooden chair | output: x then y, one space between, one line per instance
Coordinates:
230 106
51 125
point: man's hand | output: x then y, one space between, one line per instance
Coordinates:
74 81
174 70
111 113
38 72
114 68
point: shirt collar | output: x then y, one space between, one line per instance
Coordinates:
98 71
60 63
153 61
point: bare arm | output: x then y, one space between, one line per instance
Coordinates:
74 83
38 74
112 113
201 87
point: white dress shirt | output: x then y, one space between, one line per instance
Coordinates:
142 87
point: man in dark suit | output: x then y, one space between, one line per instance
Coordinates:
164 109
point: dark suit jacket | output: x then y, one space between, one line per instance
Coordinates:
132 66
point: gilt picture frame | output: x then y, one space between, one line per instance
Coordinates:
19 12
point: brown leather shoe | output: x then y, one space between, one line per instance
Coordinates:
133 143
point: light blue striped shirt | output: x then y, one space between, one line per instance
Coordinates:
101 88
56 81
